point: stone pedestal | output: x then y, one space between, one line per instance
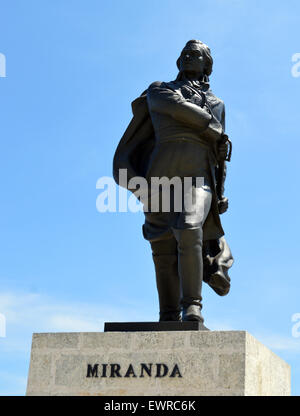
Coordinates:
200 363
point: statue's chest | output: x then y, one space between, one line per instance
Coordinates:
194 96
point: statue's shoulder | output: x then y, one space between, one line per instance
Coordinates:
140 103
157 84
214 100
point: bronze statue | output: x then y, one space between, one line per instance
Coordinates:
177 130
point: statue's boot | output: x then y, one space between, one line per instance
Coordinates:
190 267
167 279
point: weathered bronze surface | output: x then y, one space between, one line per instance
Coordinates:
178 130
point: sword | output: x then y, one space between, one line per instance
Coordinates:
221 174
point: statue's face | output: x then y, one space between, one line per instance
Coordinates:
192 59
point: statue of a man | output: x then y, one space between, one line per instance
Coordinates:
178 131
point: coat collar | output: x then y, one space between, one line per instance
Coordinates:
204 87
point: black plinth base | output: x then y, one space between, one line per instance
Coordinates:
154 326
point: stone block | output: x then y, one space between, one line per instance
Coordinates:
199 363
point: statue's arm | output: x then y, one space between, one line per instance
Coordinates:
166 101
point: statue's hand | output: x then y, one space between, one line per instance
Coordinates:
222 151
223 205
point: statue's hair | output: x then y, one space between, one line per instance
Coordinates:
207 56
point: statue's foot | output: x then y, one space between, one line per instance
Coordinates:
192 313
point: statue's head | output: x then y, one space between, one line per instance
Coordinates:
195 57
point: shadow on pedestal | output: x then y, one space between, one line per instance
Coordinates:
154 326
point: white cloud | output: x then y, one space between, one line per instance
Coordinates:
70 323
280 343
13 384
42 313
275 342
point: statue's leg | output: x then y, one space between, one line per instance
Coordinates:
165 257
189 236
190 268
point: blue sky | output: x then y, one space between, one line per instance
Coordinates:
73 67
